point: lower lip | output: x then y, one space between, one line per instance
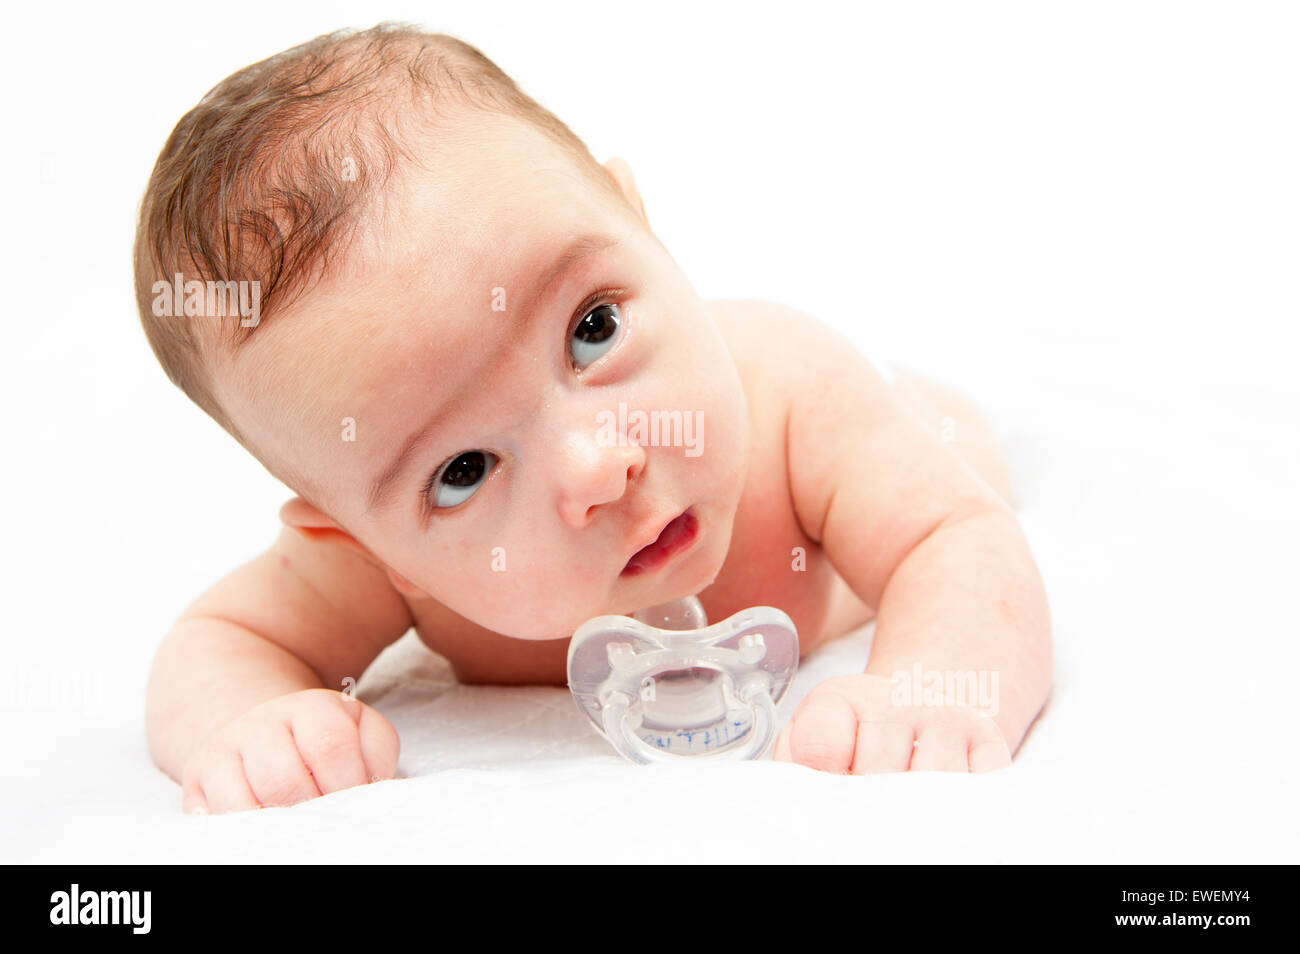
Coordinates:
676 537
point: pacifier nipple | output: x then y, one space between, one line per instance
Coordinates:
685 613
662 684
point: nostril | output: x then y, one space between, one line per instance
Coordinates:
636 468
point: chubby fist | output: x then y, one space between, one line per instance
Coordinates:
289 749
853 725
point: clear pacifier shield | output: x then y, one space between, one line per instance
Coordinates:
682 691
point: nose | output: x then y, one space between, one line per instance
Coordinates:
595 471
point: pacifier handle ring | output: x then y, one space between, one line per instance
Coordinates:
761 707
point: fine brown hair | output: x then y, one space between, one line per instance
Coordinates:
265 179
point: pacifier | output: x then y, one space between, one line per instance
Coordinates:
663 685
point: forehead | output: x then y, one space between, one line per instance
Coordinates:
480 215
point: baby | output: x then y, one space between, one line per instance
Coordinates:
416 298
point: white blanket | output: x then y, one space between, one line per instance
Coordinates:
1163 519
914 175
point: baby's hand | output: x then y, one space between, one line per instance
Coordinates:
849 724
289 749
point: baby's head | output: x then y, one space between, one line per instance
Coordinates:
458 340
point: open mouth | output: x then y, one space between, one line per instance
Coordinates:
673 539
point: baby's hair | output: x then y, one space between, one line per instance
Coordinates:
267 177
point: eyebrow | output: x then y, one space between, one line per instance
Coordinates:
577 251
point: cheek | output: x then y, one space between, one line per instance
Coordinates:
548 604
714 389
725 441
519 586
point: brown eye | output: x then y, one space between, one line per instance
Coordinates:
594 334
460 479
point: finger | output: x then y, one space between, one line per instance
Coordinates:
882 747
380 745
781 751
327 739
823 733
192 800
275 770
940 749
988 749
224 786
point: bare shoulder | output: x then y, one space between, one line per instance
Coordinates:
817 382
315 598
784 347
748 322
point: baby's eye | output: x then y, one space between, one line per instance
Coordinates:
460 479
595 333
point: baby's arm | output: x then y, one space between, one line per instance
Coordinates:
924 540
243 707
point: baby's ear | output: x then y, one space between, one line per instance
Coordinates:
621 173
312 523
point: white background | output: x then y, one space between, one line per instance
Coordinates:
1087 216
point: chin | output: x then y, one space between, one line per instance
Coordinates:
545 639
532 636
538 629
